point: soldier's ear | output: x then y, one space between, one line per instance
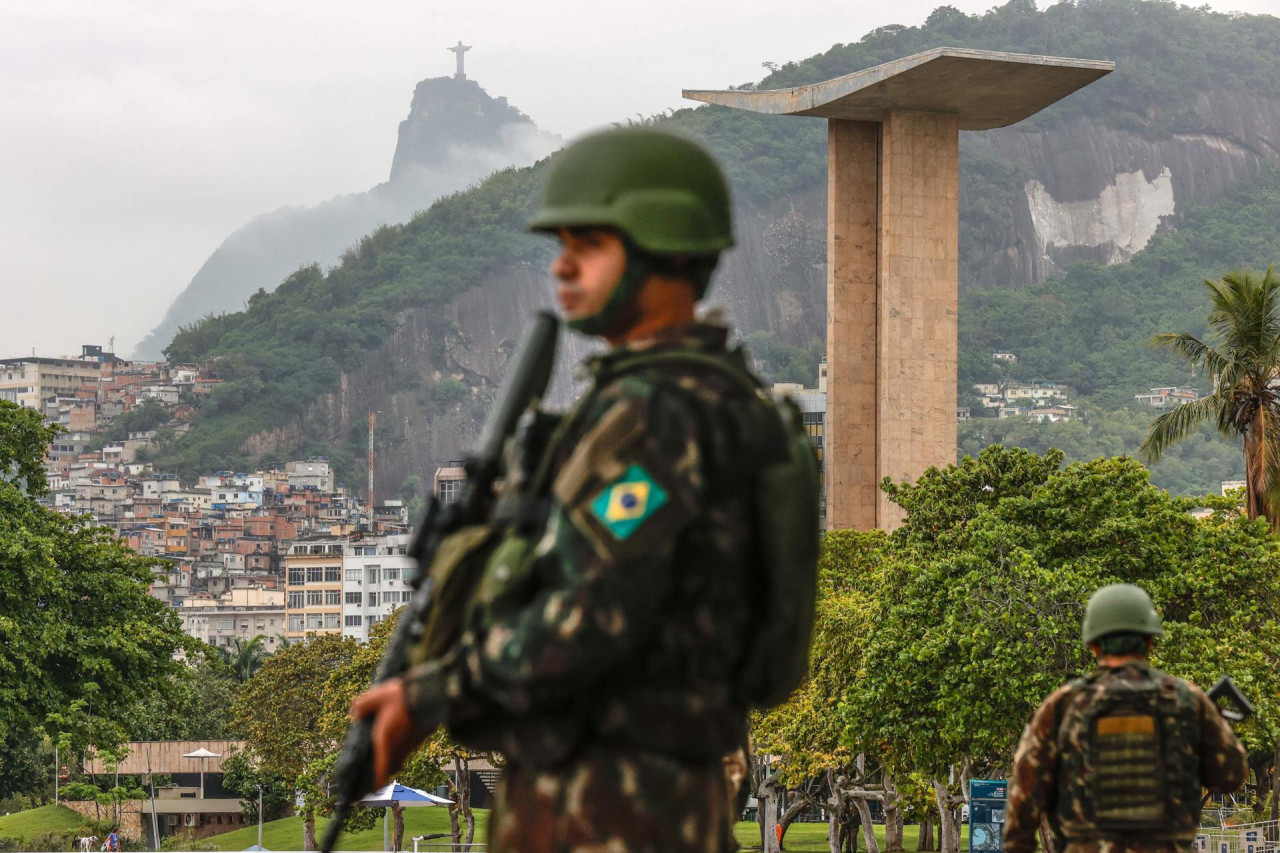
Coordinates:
1096 649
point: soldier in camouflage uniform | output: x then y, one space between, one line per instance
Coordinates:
606 678
1116 762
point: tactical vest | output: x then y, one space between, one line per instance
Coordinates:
1130 758
785 508
484 571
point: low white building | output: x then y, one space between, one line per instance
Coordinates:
165 394
1167 398
376 571
1052 414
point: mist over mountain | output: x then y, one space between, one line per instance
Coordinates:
455 135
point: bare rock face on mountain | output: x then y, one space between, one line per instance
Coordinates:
1100 193
455 134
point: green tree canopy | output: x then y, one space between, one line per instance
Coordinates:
78 627
281 711
23 438
979 616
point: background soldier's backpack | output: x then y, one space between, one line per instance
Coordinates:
786 517
1130 756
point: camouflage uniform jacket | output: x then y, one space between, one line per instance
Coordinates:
638 604
1039 789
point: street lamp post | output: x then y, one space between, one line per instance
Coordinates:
259 817
55 772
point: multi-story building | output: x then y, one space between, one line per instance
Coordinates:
376 571
29 381
313 586
813 415
311 473
241 614
1038 393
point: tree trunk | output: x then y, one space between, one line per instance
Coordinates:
948 821
1275 787
309 829
1254 483
464 788
892 816
1046 836
793 811
767 801
834 834
397 826
924 842
455 831
868 828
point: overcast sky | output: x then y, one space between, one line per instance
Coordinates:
136 134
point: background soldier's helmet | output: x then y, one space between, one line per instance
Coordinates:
1120 607
664 193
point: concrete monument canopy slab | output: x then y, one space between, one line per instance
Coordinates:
983 88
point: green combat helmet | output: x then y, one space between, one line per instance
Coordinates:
1120 607
664 194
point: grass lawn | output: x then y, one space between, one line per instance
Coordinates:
286 834
810 837
33 822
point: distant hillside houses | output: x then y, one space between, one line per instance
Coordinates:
1167 398
224 541
1017 399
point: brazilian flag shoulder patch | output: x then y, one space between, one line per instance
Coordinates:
623 506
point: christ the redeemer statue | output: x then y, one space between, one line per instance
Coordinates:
459 50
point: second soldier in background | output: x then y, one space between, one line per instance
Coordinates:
1116 762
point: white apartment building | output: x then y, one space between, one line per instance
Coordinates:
28 381
160 487
219 622
375 581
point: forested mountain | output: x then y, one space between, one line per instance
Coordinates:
417 320
455 134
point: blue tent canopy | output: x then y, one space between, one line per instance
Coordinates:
403 796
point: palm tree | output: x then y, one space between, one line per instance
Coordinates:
1244 364
245 656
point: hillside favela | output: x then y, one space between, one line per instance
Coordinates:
558 429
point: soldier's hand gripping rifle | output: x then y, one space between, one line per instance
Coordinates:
525 383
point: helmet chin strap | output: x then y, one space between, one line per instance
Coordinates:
618 311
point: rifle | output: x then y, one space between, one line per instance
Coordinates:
525 382
1226 689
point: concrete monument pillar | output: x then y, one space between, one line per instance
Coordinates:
892 250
